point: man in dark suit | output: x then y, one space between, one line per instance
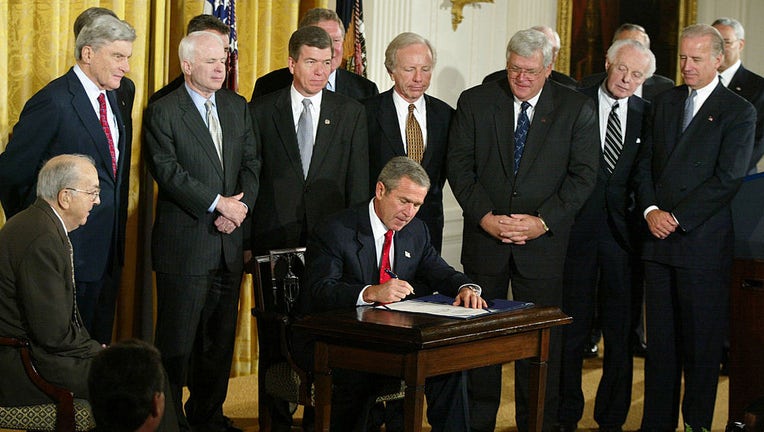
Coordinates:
558 77
742 81
315 163
603 245
203 22
80 113
409 60
348 262
520 188
340 80
37 299
653 85
692 162
200 148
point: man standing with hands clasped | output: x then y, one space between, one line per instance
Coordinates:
200 148
696 152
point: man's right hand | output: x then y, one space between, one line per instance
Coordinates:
232 208
389 292
661 223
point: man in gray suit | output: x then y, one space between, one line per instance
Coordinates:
313 144
523 158
200 148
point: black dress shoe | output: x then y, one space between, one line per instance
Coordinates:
591 350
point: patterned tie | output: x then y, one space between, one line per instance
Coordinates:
414 139
107 130
521 133
689 107
305 136
385 261
214 126
76 319
613 139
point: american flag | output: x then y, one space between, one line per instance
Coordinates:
225 10
351 14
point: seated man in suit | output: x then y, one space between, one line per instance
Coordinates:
126 383
369 254
341 81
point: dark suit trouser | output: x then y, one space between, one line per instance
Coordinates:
354 395
597 275
686 317
196 326
96 301
484 384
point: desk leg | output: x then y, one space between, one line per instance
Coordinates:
538 369
323 388
414 395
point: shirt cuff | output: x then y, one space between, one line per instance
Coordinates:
648 210
214 204
359 301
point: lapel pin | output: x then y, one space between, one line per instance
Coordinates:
407 254
738 88
639 140
327 121
710 118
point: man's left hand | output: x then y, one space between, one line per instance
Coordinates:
470 299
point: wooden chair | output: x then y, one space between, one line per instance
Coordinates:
64 414
277 280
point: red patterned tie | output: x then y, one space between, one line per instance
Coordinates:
385 263
107 131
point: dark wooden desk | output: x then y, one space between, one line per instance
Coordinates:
414 347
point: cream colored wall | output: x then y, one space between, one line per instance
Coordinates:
478 46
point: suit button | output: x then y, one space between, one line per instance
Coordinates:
683 188
515 194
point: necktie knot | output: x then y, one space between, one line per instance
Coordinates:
615 107
411 108
306 103
389 235
525 105
384 262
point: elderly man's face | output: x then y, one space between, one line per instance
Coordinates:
527 75
205 73
412 72
732 46
107 65
627 72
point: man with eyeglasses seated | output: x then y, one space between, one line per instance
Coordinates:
522 159
37 292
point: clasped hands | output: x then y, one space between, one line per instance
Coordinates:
661 223
397 289
514 228
232 213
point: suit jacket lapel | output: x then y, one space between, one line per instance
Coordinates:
327 127
434 123
367 253
284 121
542 118
198 129
388 121
504 123
633 127
90 120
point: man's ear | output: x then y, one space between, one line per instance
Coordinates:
64 199
157 405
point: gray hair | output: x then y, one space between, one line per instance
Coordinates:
631 27
187 47
526 43
401 166
58 173
404 40
311 36
731 22
700 30
612 53
102 30
316 15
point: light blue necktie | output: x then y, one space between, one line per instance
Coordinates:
521 133
689 107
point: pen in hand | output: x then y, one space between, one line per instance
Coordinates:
395 276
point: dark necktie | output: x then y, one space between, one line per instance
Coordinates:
384 263
107 130
76 319
613 139
215 131
305 136
689 107
414 140
521 133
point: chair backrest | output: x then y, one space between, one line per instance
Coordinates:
278 279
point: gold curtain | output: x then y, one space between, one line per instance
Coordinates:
37 46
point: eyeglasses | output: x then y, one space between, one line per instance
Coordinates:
93 195
530 74
728 42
